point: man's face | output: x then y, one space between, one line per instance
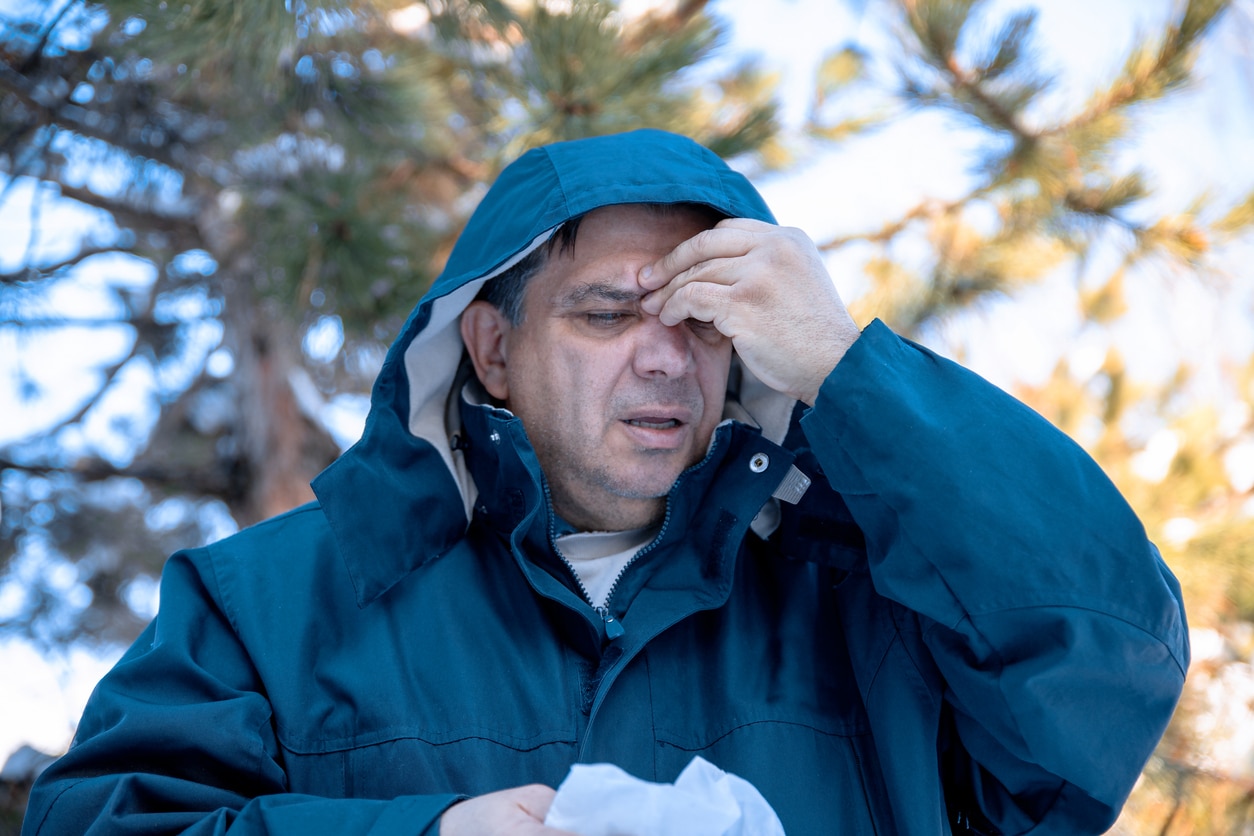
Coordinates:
616 404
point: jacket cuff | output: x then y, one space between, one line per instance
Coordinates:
418 814
873 362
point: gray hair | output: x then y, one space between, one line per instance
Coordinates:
505 292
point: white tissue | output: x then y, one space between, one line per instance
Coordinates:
603 800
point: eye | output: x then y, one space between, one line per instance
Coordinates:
702 328
606 319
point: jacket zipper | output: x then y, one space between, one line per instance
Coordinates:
605 612
613 627
583 590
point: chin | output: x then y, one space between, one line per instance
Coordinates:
654 487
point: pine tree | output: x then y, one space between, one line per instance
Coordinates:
1047 199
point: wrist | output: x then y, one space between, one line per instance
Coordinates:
825 362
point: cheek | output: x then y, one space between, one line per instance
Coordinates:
573 387
594 370
713 363
546 372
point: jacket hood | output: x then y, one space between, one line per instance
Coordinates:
414 415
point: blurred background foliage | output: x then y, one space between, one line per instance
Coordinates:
232 205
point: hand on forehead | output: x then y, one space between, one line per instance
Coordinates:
766 288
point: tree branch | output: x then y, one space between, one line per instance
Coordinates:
97 470
19 169
32 241
55 113
129 214
1131 87
111 373
81 322
662 24
963 81
25 274
925 209
33 58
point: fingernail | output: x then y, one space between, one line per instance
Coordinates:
646 272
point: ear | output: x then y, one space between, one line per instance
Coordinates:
484 331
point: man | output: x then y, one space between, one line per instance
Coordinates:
634 488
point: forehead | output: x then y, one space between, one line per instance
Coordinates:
613 243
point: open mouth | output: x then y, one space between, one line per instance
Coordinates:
651 423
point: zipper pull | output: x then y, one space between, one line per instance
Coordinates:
613 627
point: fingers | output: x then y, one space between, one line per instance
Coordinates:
707 274
767 289
705 301
735 250
535 800
729 239
518 811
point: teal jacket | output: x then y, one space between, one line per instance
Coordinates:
959 627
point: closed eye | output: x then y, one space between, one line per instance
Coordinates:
705 330
606 319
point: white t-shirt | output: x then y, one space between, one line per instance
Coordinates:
599 556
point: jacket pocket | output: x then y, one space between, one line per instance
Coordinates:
448 726
816 781
774 701
469 761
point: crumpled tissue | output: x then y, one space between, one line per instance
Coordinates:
603 800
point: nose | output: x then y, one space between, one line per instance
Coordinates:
662 350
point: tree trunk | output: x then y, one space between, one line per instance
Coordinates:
279 446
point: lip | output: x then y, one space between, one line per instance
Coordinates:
658 437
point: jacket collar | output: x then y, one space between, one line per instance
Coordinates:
708 510
393 506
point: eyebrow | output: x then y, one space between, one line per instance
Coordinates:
602 291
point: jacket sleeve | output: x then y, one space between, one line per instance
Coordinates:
178 738
1057 632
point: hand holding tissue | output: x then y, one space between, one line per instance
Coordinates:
603 800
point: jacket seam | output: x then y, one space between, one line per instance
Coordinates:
219 587
879 665
259 753
48 812
217 591
1005 706
300 746
861 731
648 672
557 178
338 536
970 617
894 613
1062 782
